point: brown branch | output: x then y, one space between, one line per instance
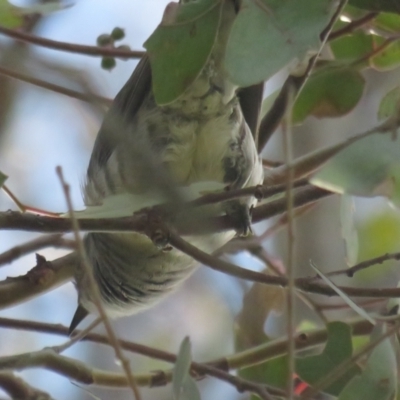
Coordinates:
43 277
90 98
70 47
252 356
39 243
260 191
352 26
365 264
375 51
303 284
80 372
12 220
21 289
271 120
19 389
216 368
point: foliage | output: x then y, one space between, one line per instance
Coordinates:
327 51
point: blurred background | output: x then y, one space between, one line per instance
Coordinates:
40 129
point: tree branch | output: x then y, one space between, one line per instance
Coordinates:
87 97
39 243
217 368
246 358
19 389
352 26
69 47
45 276
365 264
304 284
13 220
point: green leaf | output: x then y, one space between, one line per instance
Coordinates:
390 104
329 92
378 380
180 48
10 17
343 295
352 47
3 178
181 369
379 234
268 34
273 372
338 349
388 21
377 5
387 59
349 232
190 391
370 167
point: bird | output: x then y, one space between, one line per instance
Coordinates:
205 136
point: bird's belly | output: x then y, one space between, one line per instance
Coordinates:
133 274
196 148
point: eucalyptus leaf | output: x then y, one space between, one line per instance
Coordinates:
10 16
390 22
329 92
390 104
388 58
180 46
352 47
378 379
343 295
181 369
190 391
338 349
269 34
370 167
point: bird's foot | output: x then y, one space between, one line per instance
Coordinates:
240 214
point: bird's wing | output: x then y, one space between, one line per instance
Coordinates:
124 108
250 99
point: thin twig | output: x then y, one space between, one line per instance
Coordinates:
18 389
290 293
12 220
70 47
246 358
352 26
36 244
90 98
375 51
304 284
77 337
363 304
365 264
95 293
